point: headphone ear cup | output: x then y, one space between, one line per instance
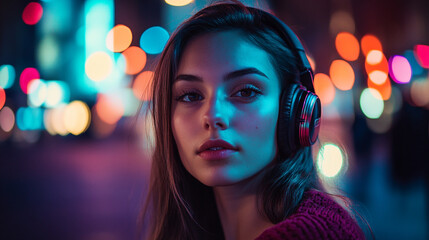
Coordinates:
286 126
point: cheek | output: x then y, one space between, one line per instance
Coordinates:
183 126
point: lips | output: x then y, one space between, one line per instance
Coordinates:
214 145
216 150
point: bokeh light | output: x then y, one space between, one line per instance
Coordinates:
28 118
2 97
342 75
422 53
419 92
100 128
347 46
48 52
400 69
119 38
178 3
154 39
415 66
7 76
377 77
32 13
330 160
58 93
341 21
37 92
27 75
377 67
371 103
380 125
141 86
77 117
324 88
370 42
135 60
7 119
109 108
98 66
385 89
374 57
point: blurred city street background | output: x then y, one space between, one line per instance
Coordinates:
75 146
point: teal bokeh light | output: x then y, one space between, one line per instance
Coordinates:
29 118
153 40
7 76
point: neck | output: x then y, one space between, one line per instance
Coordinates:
238 212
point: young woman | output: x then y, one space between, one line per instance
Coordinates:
233 128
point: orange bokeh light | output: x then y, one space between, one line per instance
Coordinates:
377 67
324 88
385 89
342 75
109 108
2 97
119 38
347 46
370 42
142 86
135 59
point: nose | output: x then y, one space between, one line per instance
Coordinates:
215 116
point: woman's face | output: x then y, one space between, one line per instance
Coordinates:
225 108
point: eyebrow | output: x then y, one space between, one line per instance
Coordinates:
229 76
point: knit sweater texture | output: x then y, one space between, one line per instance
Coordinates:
317 217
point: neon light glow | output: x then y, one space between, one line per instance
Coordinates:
29 118
2 97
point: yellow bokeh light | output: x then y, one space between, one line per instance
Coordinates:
347 46
330 160
324 88
141 86
378 77
374 57
119 38
57 121
98 66
135 59
77 117
178 3
342 75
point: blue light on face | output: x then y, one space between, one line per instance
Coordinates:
153 40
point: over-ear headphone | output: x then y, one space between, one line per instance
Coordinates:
300 108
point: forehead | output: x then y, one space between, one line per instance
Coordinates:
222 52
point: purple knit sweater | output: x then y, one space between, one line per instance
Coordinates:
317 217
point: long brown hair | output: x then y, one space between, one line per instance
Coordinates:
179 206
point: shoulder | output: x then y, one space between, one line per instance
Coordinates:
317 217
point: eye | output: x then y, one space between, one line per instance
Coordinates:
189 97
249 91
